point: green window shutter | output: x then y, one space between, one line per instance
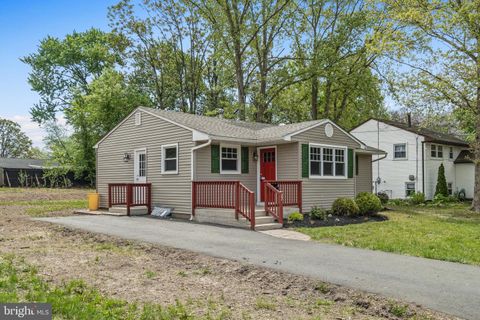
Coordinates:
350 163
305 159
244 159
215 152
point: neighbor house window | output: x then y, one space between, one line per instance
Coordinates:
450 153
170 159
450 188
409 188
400 151
436 151
229 159
327 161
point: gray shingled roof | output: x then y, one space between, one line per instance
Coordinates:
430 135
15 163
234 129
465 156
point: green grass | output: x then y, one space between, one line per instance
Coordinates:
41 207
19 282
450 233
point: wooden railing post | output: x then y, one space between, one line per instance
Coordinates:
252 210
299 196
237 198
280 207
129 188
109 196
149 191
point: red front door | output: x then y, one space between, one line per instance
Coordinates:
268 169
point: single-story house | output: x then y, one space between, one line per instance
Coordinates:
414 156
189 163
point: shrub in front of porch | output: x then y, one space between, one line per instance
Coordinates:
345 207
368 203
295 216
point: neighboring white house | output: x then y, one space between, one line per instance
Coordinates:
414 156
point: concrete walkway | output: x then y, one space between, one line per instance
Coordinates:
448 287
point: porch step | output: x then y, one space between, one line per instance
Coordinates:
268 226
134 211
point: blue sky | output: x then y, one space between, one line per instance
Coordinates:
22 25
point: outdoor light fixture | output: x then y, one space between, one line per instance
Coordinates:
126 157
255 156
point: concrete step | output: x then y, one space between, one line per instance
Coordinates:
268 226
134 211
259 219
181 216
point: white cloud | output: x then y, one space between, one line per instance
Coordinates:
32 129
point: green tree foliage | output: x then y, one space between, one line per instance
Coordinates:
13 142
441 188
443 68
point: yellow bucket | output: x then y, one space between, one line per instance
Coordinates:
93 201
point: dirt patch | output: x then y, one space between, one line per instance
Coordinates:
143 272
333 220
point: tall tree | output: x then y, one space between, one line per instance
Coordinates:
447 69
13 142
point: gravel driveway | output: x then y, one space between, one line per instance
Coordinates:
448 287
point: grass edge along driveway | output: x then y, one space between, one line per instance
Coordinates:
449 233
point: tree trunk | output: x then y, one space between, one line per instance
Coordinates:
476 193
314 98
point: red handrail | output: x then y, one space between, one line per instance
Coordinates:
226 195
274 202
292 191
130 195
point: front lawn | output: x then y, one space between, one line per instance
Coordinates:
450 233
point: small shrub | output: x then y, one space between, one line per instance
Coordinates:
399 202
417 198
441 200
345 207
368 203
441 188
398 310
383 196
295 216
318 213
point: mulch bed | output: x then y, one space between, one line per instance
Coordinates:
333 220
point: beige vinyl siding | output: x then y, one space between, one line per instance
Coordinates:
172 190
288 162
203 169
322 192
363 181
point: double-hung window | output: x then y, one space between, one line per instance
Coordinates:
436 151
170 159
326 161
450 153
230 159
400 151
409 189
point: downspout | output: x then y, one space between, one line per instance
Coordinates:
192 164
423 167
416 162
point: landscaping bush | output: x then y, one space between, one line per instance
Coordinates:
368 203
295 216
318 213
441 188
440 200
383 197
417 198
399 202
345 207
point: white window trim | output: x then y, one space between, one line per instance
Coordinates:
436 151
165 146
239 159
316 145
406 151
453 153
414 187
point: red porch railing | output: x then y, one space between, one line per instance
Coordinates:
224 194
273 202
130 195
292 191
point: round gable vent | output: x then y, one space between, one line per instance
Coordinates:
329 130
